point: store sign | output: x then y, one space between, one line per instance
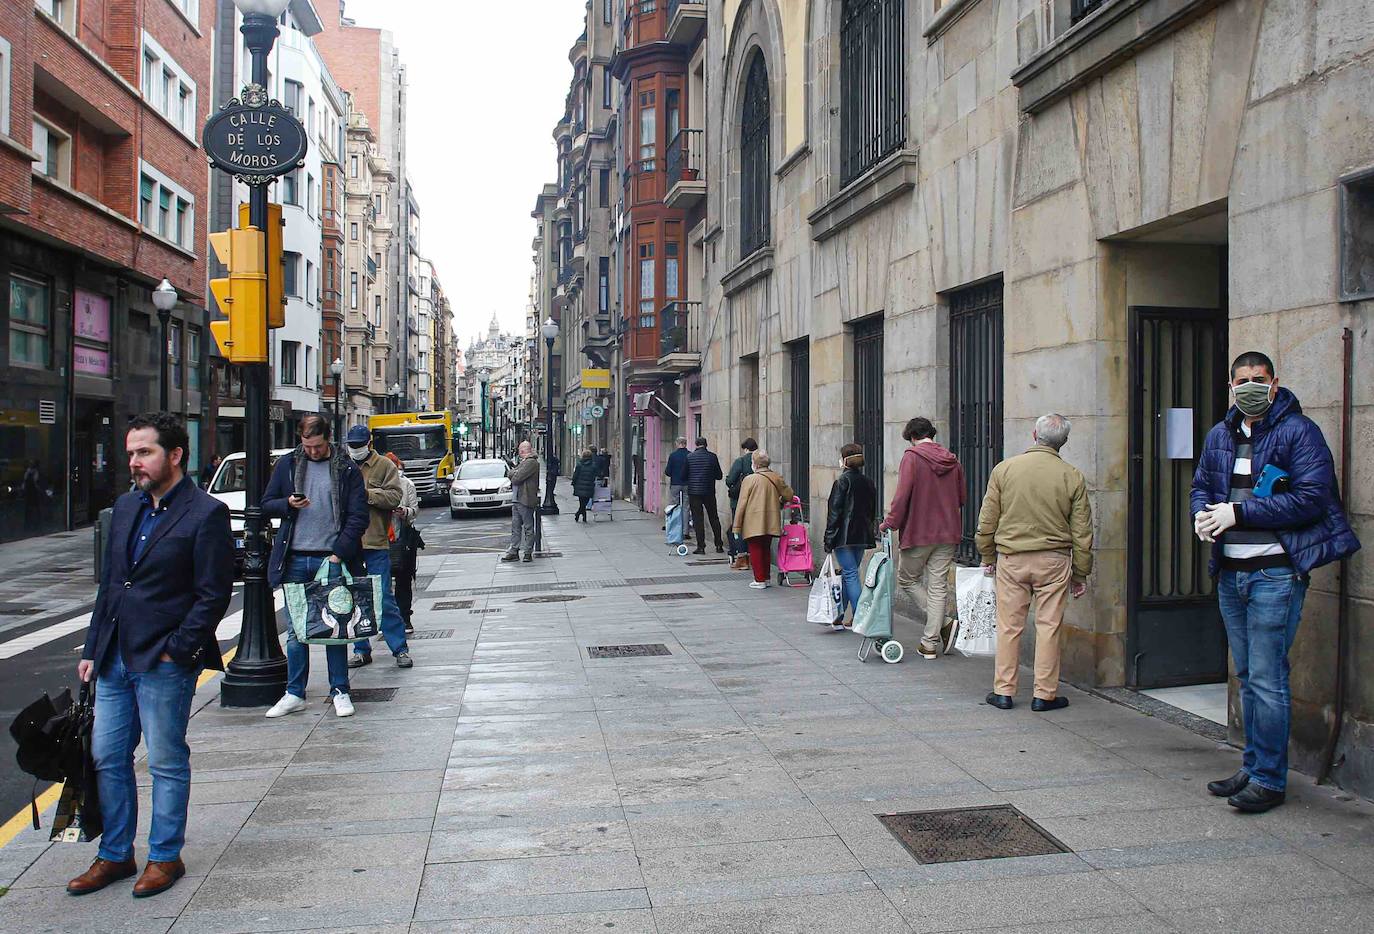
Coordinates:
594 378
255 139
91 328
639 400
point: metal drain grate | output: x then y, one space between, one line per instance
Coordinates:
372 695
666 580
453 605
489 610
996 832
661 597
429 634
551 598
642 650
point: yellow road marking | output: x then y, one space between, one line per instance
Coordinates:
24 819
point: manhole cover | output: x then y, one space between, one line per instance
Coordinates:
453 605
627 651
430 634
660 597
372 695
552 598
995 832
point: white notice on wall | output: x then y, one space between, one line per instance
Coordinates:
1178 434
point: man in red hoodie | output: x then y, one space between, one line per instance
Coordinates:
930 493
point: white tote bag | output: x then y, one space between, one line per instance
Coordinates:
976 597
826 603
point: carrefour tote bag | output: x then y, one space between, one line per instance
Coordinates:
826 603
334 610
976 597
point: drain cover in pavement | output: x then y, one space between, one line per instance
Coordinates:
489 610
627 651
453 605
372 695
429 634
661 597
552 598
953 836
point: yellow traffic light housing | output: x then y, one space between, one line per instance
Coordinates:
276 292
241 296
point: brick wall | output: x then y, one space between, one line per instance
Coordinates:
354 57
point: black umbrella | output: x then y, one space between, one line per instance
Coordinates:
54 739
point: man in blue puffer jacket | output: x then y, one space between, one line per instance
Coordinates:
1265 496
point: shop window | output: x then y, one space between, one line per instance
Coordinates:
90 333
30 322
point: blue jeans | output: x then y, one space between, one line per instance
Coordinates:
301 569
378 562
1262 610
157 705
849 557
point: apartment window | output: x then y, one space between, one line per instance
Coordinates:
54 148
755 166
352 166
64 11
30 322
310 116
606 7
184 235
648 131
147 192
872 83
377 203
377 369
293 97
6 61
352 290
167 87
353 231
309 371
290 351
606 80
353 358
376 309
670 270
291 263
290 191
310 194
193 358
165 208
309 281
174 353
603 284
603 188
646 285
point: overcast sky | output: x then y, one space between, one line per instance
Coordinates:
487 83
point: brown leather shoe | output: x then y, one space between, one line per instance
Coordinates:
158 877
101 874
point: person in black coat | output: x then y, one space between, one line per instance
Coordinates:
703 471
166 581
850 514
584 483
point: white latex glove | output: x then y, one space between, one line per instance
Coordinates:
1217 519
1197 527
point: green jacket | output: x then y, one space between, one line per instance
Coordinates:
734 480
1037 502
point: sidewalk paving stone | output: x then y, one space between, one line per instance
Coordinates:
514 784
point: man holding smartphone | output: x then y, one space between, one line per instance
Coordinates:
1265 497
319 496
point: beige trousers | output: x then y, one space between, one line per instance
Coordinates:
912 571
1042 577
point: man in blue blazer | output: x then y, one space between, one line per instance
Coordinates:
168 574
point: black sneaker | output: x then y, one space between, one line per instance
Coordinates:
403 660
527 558
510 557
358 660
410 627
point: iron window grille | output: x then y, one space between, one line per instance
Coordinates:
754 159
800 358
975 417
872 84
868 397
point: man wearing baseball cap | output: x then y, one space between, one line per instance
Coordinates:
384 494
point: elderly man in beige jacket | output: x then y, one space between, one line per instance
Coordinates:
1035 531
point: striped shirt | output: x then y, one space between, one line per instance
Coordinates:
1248 549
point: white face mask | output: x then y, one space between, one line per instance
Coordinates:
359 454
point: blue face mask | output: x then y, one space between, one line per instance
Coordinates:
1253 399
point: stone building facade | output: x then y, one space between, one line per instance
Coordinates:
984 210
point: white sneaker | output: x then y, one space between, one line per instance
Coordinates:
758 585
343 705
289 703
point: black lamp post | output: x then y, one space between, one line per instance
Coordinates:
549 330
484 377
337 369
164 300
257 675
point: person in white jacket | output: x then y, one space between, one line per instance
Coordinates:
404 539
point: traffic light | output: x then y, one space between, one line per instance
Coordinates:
276 293
241 296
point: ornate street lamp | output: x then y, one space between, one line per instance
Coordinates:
549 330
337 369
484 377
164 300
257 675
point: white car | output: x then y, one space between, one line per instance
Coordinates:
480 486
228 486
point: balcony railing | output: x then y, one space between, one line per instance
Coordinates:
686 19
643 22
580 236
684 156
565 274
681 328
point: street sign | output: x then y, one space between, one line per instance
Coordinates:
598 411
594 378
586 411
254 139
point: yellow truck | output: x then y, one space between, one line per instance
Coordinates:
424 443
